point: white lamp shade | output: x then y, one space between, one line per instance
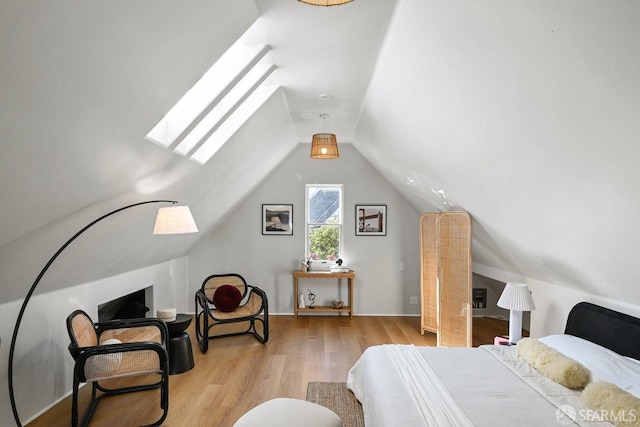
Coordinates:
174 220
516 296
325 2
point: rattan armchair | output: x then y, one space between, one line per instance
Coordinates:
248 314
116 349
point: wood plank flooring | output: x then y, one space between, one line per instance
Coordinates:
239 373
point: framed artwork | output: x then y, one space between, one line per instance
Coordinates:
371 220
277 219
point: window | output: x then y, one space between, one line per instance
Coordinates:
211 112
324 221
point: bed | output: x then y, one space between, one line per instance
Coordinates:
408 386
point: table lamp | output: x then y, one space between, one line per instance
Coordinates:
516 298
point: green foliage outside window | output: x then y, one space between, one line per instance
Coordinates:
324 242
324 221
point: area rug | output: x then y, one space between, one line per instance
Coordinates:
339 399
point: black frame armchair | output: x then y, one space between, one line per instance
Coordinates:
250 317
138 348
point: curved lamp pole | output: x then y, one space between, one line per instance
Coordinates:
190 227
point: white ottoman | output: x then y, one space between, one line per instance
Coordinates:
286 412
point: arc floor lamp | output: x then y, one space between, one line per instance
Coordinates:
170 220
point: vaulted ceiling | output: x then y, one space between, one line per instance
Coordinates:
523 113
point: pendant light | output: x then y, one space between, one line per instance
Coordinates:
324 145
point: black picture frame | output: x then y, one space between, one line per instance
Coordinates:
277 219
371 220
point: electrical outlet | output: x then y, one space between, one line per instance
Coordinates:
413 300
402 267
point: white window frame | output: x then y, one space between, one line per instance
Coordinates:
340 224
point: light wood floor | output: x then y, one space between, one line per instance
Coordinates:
238 373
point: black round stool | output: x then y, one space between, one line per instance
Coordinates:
180 352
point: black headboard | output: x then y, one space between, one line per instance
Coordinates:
608 328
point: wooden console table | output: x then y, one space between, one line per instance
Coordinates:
347 308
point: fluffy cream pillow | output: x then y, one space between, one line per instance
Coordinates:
616 405
552 364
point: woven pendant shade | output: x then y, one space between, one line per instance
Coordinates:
325 2
324 146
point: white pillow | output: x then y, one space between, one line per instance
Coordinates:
604 364
108 362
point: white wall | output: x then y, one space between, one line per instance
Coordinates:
43 367
553 302
527 118
267 261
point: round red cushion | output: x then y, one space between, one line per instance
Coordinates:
227 298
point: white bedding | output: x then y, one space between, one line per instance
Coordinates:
489 385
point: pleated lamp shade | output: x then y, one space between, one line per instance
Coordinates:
324 146
325 2
516 296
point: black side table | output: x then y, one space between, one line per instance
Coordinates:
180 352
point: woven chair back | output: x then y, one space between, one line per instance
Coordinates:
212 283
81 331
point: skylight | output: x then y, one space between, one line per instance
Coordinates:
227 104
234 122
228 94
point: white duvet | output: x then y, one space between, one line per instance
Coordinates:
485 386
